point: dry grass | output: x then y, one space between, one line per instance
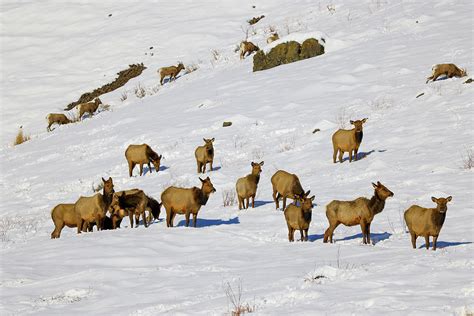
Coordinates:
191 68
229 197
124 96
235 298
342 118
468 159
21 137
140 91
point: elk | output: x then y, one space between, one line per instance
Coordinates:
286 185
204 154
89 107
247 48
450 70
63 215
133 202
299 217
57 118
93 208
246 187
426 221
360 211
272 38
141 154
171 71
186 201
348 140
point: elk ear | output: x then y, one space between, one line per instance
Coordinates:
202 180
374 185
261 164
161 156
103 180
434 199
351 121
378 183
213 139
208 179
449 198
307 192
364 120
312 198
204 140
252 164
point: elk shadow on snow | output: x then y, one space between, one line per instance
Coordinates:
140 222
374 237
362 155
444 244
147 170
262 203
203 222
315 237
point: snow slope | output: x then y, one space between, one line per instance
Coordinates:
378 55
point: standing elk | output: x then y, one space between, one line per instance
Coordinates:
450 70
360 211
299 217
171 71
133 202
204 155
427 222
348 140
246 187
89 107
286 185
186 201
247 48
56 118
141 154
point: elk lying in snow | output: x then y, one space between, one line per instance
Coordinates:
89 107
141 154
286 185
64 215
56 118
450 70
247 48
246 187
171 71
133 202
273 38
204 154
186 201
426 221
348 140
93 208
299 217
360 211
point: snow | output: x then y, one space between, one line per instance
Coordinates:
376 62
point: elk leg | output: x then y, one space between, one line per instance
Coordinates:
131 165
275 198
210 166
413 240
204 167
368 232
187 218
364 231
253 201
173 215
284 203
137 219
306 234
195 216
436 77
355 153
149 168
301 235
427 242
130 216
350 155
79 222
144 219
247 206
141 169
435 238
334 155
240 202
291 232
341 153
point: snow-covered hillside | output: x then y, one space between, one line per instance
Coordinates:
378 55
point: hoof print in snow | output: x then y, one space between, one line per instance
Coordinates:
286 53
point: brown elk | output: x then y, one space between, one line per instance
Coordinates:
186 201
450 70
64 215
204 155
286 185
141 154
360 211
272 38
133 202
348 140
171 71
89 107
246 187
299 217
56 118
427 221
93 208
247 48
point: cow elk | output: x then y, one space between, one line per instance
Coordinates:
89 107
171 71
133 202
348 140
186 201
286 185
56 118
247 48
246 187
63 215
204 155
427 221
450 70
141 154
299 217
360 211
